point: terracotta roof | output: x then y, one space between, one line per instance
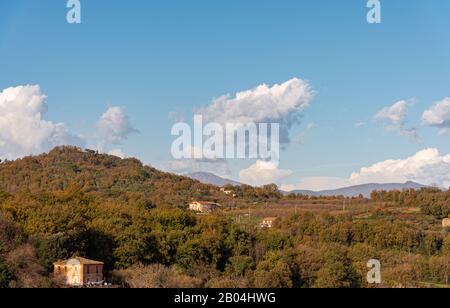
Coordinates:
83 261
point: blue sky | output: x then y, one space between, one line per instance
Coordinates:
154 58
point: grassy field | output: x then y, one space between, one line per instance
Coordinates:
358 209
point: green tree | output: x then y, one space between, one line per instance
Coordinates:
273 272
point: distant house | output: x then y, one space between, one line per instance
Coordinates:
203 207
228 192
446 223
79 272
268 222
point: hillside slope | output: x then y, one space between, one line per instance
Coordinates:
100 174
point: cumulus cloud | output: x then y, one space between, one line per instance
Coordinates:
114 126
263 173
281 103
394 118
438 115
426 167
23 130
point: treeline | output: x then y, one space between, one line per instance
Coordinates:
432 201
141 246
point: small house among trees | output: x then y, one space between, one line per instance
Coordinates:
268 222
203 207
446 223
79 272
228 192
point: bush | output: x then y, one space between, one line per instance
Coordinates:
155 276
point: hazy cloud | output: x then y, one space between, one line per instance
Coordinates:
394 119
114 126
394 114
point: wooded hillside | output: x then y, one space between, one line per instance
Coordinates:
132 217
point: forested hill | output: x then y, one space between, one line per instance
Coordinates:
103 175
110 177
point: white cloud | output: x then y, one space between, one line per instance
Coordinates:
23 130
114 126
426 167
438 115
281 103
394 118
263 173
395 114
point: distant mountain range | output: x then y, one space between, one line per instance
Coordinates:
365 189
351 191
211 179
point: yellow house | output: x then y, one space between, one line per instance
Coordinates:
79 272
446 223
